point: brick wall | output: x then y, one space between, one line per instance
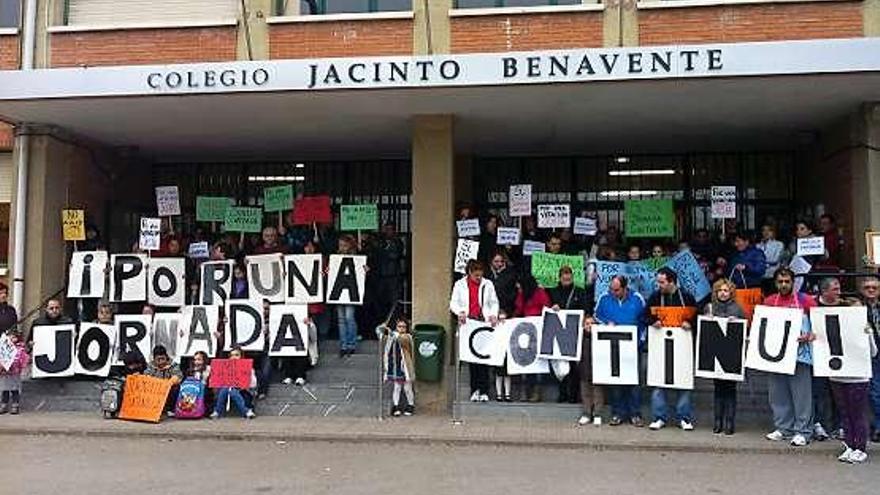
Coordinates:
738 23
5 137
341 38
9 52
143 46
499 33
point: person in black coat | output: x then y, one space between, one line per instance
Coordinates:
505 278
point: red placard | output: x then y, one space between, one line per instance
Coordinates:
231 373
312 209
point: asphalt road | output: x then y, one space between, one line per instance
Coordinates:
133 466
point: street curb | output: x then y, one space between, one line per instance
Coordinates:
430 440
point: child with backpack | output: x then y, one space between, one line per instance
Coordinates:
193 400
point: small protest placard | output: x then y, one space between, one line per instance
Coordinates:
150 234
234 373
73 225
278 198
467 250
585 226
8 352
649 218
508 236
811 246
532 247
211 208
468 228
520 200
723 201
554 216
312 209
243 219
144 398
199 250
167 201
359 217
545 268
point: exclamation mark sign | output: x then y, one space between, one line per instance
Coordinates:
835 344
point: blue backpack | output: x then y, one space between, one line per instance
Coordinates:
190 400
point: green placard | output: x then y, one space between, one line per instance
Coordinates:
359 217
545 268
278 198
212 209
243 219
655 262
649 218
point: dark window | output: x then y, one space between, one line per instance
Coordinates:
355 6
10 13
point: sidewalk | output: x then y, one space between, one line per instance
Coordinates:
417 429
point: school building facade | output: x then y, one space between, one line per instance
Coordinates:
418 105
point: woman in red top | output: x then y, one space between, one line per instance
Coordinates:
531 300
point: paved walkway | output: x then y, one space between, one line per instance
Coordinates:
418 430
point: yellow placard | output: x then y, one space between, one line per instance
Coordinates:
73 225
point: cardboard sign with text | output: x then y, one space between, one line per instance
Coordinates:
243 219
278 198
554 216
649 218
520 200
150 234
73 225
359 217
144 398
212 209
167 201
235 373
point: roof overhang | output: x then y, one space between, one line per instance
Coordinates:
760 95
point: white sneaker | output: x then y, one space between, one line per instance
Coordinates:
584 420
844 457
775 436
250 414
819 433
484 397
686 426
798 441
475 397
656 425
300 382
214 415
858 457
287 381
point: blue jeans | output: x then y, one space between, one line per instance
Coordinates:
684 408
875 394
225 394
347 325
626 401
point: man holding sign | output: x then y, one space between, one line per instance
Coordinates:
670 298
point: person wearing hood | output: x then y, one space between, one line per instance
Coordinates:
723 305
748 264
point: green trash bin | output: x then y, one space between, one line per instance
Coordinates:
428 343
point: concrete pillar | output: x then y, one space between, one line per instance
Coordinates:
61 175
865 163
253 31
432 240
871 17
620 23
431 26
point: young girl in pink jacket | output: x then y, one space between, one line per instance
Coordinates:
10 374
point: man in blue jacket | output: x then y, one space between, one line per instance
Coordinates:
748 264
621 306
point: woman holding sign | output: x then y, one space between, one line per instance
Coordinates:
473 297
723 305
531 301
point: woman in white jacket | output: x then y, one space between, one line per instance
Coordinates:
473 297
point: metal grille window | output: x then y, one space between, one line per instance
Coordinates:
602 184
10 13
475 4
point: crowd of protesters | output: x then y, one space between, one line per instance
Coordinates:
499 284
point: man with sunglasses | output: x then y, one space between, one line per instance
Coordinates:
871 298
